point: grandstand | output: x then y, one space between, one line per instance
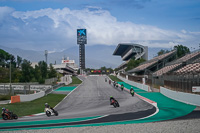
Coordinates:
190 68
165 70
154 64
179 63
128 51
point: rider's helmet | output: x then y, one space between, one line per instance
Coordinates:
111 96
46 104
3 109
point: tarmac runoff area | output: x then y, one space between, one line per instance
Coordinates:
139 106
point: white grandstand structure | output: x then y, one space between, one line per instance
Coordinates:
130 50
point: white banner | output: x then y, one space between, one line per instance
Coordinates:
196 89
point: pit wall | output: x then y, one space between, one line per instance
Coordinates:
138 85
187 98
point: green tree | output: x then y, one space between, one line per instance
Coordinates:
162 51
27 71
52 72
43 69
19 61
134 63
181 50
5 59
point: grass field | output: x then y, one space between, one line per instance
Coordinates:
114 78
75 81
33 107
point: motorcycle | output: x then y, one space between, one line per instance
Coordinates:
51 111
9 116
132 92
116 85
114 103
122 88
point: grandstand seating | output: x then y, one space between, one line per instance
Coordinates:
179 62
190 68
152 61
166 69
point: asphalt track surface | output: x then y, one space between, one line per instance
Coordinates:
90 99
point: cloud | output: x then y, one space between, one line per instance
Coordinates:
4 11
55 29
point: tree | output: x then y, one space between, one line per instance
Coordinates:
5 59
27 71
52 72
181 50
43 69
19 61
134 63
162 51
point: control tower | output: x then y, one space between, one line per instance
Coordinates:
81 41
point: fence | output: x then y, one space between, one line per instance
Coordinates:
183 83
12 89
132 77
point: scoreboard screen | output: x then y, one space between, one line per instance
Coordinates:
81 36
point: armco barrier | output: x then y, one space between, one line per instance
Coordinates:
188 98
31 97
138 85
15 99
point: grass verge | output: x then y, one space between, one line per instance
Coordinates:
75 81
114 78
34 107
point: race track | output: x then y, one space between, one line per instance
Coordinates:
91 99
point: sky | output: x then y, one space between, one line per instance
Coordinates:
52 24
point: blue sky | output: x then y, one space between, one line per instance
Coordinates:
52 24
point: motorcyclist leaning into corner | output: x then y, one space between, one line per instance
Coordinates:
4 110
111 100
132 91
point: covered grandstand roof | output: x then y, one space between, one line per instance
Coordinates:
152 62
129 50
65 69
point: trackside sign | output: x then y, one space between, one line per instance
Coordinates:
196 89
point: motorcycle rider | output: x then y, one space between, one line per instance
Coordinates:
122 87
132 91
114 83
4 110
47 106
111 100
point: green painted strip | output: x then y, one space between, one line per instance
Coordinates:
46 121
66 88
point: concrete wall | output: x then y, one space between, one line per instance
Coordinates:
138 85
188 98
31 97
67 79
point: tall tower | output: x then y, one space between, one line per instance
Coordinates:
46 54
81 40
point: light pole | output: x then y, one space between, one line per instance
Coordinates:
11 91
